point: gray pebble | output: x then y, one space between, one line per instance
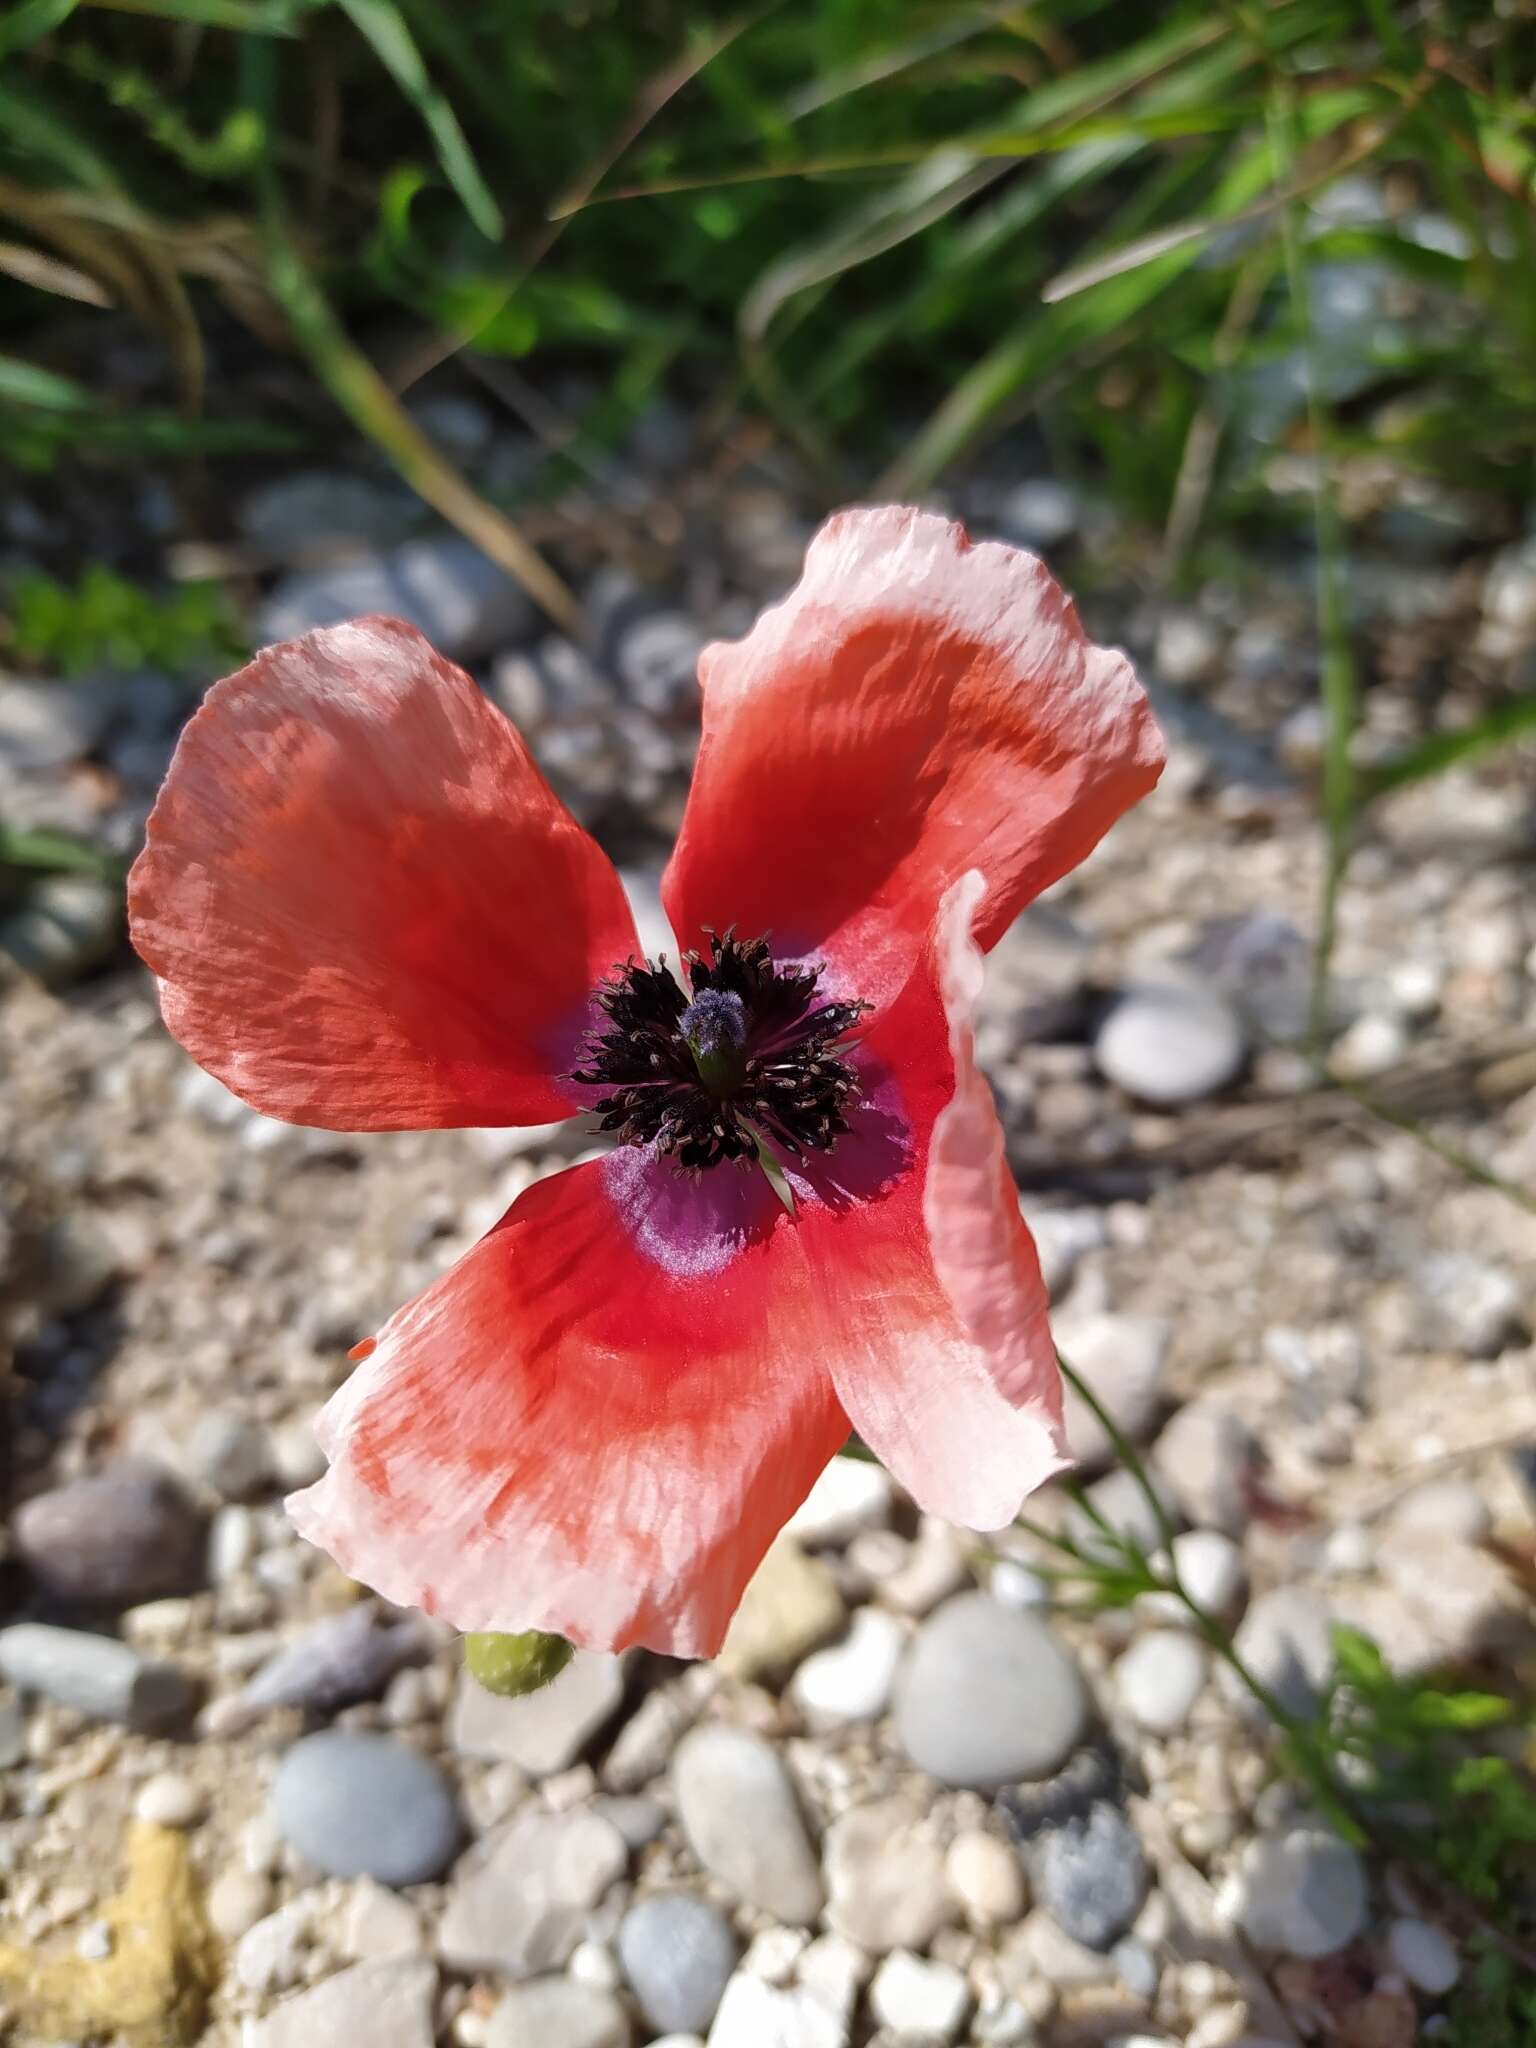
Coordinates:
987 1696
359 1805
13 1733
347 1656
656 658
743 1822
1303 1893
1467 1304
1425 1954
66 925
1038 513
446 588
677 1951
1286 1640
1091 1875
1207 1455
555 2012
544 1731
1170 1045
520 1905
1136 1967
1119 1500
313 512
95 1675
1122 1359
386 2004
1159 1679
49 725
1452 1508
230 1454
124 1535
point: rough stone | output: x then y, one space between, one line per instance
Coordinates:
521 1905
988 1696
1303 1893
1090 1874
123 1535
1466 1304
363 1805
544 1731
387 2004
790 1607
556 2012
743 1822
678 1952
885 1878
919 2000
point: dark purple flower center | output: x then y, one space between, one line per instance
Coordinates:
749 1055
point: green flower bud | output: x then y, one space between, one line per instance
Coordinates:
513 1665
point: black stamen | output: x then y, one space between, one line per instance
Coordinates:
753 1055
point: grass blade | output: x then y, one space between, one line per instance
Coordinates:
29 22
1510 720
384 27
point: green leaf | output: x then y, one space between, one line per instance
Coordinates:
1506 721
384 27
30 21
26 383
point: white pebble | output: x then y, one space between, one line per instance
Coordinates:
1425 1954
985 1876
1159 1679
169 1800
851 1680
915 1997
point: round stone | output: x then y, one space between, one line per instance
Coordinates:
120 1537
743 1822
1170 1045
360 1805
986 1877
885 1877
169 1800
1303 1893
231 1454
237 1899
677 1952
1159 1679
988 1696
1425 1954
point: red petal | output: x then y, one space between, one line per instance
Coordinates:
593 1424
366 907
916 707
939 1345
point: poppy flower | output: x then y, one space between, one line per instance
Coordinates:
368 911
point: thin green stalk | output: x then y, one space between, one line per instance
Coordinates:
1336 676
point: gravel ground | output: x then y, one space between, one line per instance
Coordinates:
243 1804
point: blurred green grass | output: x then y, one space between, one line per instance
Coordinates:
899 225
